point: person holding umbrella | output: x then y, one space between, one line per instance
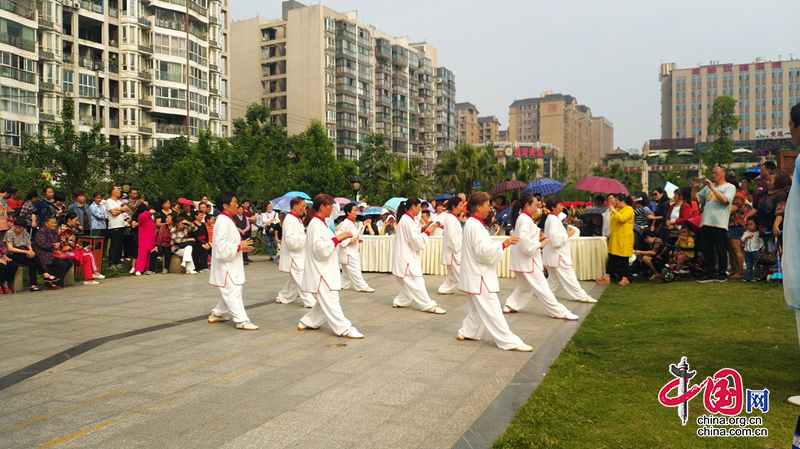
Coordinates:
406 265
451 244
292 259
557 257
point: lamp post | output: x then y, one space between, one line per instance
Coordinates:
355 184
126 188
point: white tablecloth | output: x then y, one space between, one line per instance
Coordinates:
588 255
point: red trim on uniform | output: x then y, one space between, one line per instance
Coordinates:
295 216
321 219
524 212
238 248
335 241
479 220
351 220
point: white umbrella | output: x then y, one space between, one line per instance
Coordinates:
741 151
670 188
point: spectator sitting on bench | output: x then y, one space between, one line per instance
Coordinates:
46 245
18 247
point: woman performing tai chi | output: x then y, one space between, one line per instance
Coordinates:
479 280
526 262
321 275
292 259
557 257
406 266
451 244
348 253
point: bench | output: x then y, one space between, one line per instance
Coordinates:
22 271
175 265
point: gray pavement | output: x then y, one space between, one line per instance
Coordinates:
166 378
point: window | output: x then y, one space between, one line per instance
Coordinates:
198 103
170 97
169 45
67 77
87 85
198 53
18 101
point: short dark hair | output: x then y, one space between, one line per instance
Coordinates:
553 201
648 233
5 189
21 222
96 194
348 207
224 198
295 201
78 193
599 200
501 199
31 195
426 211
478 198
111 190
60 197
769 165
44 191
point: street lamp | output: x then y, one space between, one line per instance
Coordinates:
355 184
126 188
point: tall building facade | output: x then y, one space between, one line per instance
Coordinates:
602 143
147 70
488 129
764 90
318 64
560 121
467 123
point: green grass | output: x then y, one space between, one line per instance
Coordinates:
602 391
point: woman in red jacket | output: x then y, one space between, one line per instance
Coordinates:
681 210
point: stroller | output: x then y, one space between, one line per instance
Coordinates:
777 276
693 266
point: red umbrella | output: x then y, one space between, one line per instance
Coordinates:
601 185
508 186
185 202
694 223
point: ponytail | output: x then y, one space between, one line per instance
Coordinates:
517 209
320 200
452 203
405 206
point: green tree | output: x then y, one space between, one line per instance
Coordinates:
397 177
560 171
512 168
317 170
529 170
461 168
374 151
721 123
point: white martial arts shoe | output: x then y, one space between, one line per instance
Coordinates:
98 276
90 283
353 333
588 299
217 319
437 310
137 274
205 270
303 327
445 293
569 316
507 309
133 269
246 325
191 272
367 290
463 338
522 348
164 271
148 272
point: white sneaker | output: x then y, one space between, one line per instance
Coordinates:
507 309
133 270
353 333
148 272
164 271
98 276
588 299
523 348
205 270
137 274
90 283
302 326
367 290
437 310
191 272
246 325
569 316
217 319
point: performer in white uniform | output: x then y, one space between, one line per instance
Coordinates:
409 240
349 256
451 244
321 275
526 262
292 259
227 267
479 279
557 257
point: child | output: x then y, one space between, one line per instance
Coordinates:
685 246
752 242
655 244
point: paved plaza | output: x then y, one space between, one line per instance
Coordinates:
132 362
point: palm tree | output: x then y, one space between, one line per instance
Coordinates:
397 177
462 168
512 168
528 170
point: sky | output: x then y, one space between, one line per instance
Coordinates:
606 54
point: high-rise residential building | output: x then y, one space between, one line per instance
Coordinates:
764 90
488 129
147 70
467 123
602 142
560 121
318 64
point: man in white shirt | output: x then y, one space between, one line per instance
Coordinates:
116 227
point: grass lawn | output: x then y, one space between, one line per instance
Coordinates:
603 389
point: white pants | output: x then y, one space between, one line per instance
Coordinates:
231 302
186 255
327 308
351 275
450 284
484 312
564 284
413 289
530 284
291 290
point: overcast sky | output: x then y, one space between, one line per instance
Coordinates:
607 54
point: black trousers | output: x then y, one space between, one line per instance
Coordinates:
59 269
247 235
34 265
165 251
714 244
618 265
200 256
8 271
115 238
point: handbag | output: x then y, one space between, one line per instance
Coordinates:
766 258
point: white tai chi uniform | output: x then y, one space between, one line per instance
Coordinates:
451 251
557 259
321 277
350 260
406 266
293 261
227 269
526 262
479 281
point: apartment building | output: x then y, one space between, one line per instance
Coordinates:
318 64
147 71
560 121
764 90
488 129
467 115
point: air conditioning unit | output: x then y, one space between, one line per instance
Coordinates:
68 94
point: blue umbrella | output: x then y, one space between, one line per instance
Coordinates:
300 194
756 169
443 197
504 216
282 202
545 186
393 203
373 211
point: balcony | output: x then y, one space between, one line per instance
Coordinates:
145 76
44 23
384 52
214 115
46 117
145 130
17 74
16 41
144 22
147 48
50 87
87 120
113 68
214 67
145 102
167 128
213 43
198 9
48 55
347 70
24 8
213 90
92 6
383 99
114 98
113 12
91 63
213 20
113 123
67 58
347 106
